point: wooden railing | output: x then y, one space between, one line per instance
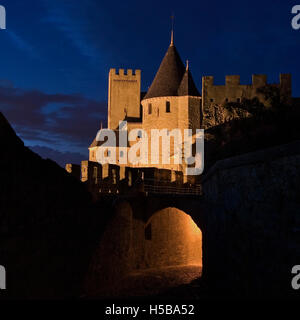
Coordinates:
163 188
151 186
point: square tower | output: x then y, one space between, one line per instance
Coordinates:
124 96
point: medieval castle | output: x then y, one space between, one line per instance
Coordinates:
173 101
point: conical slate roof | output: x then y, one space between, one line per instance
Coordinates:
168 76
187 86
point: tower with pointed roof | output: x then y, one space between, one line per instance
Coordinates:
173 100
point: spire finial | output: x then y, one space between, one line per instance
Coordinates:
187 65
101 126
172 31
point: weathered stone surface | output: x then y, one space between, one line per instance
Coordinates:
129 244
218 114
259 207
215 97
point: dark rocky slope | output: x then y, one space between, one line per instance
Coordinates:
46 223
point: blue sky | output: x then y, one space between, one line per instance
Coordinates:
55 57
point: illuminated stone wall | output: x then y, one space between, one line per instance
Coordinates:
172 238
123 96
168 238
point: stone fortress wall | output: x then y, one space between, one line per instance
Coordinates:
172 102
115 179
214 97
254 220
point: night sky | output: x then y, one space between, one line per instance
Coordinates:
55 57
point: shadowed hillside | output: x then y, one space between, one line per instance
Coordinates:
46 223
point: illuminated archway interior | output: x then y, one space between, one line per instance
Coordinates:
172 239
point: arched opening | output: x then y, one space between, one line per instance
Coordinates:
138 258
172 239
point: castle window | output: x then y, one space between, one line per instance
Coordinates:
168 107
129 178
108 153
238 100
95 175
149 108
148 232
140 134
114 176
121 154
226 100
173 176
211 100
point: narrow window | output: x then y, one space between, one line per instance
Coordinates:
129 178
211 100
148 232
168 107
140 134
226 100
121 154
96 175
114 176
173 176
238 100
149 108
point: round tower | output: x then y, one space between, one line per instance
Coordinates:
173 100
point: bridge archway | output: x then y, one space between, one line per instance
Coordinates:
172 238
147 239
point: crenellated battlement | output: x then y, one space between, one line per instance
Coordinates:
285 79
112 178
232 80
124 73
258 80
215 96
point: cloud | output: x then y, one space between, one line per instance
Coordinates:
70 19
65 122
61 158
23 45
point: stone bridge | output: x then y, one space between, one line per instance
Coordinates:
149 231
243 230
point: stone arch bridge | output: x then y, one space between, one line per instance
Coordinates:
150 230
248 217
